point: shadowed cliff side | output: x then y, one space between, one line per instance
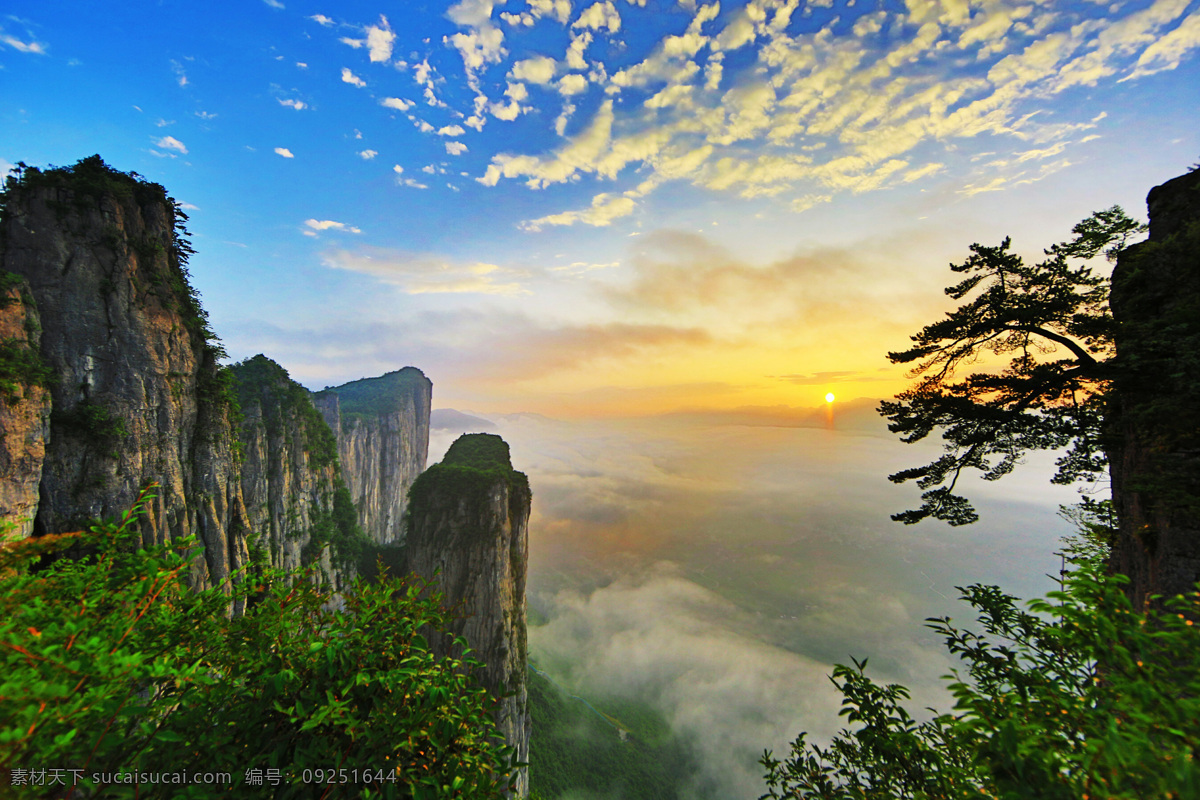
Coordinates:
1155 418
24 405
382 427
137 394
469 523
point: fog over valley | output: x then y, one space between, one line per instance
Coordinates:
717 570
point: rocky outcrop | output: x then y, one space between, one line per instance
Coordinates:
1155 416
24 406
382 427
137 396
291 481
468 530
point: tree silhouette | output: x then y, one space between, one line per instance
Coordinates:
1053 319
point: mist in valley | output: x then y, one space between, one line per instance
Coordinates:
717 566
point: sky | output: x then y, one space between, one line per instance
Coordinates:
643 239
605 208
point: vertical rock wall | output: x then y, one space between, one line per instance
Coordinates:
290 473
24 406
469 526
1155 419
382 427
136 396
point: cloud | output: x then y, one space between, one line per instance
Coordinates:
456 148
604 209
822 378
451 130
601 15
323 20
1169 49
31 46
367 155
538 69
171 143
824 112
396 103
352 79
330 225
299 105
483 43
380 40
274 3
425 274
283 151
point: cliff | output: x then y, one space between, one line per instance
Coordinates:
382 427
136 394
296 500
1154 421
468 526
25 417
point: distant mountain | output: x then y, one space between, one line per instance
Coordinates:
447 419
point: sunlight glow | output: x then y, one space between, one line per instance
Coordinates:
829 398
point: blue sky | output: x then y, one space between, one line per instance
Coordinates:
614 207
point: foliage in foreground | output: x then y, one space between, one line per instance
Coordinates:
112 663
1079 697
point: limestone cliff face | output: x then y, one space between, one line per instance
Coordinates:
1155 419
468 524
136 396
24 406
382 427
290 473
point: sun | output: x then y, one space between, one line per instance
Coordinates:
829 398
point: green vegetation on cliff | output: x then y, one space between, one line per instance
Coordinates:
112 664
373 397
474 464
576 753
20 364
261 381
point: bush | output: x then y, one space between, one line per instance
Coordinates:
1080 697
111 664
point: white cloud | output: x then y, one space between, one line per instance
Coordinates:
32 46
274 3
380 40
396 103
321 19
399 170
572 84
451 130
283 151
483 43
599 16
456 148
351 78
330 225
538 69
206 116
171 143
299 105
367 155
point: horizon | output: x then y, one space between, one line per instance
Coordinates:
595 209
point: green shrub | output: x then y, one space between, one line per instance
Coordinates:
110 663
1079 697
